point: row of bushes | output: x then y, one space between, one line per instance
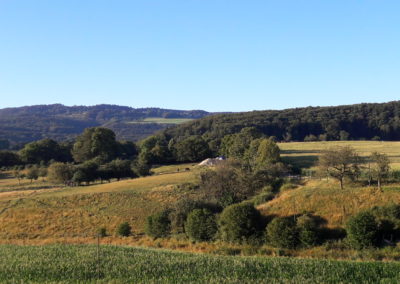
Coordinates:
242 223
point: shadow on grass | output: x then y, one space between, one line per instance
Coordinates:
301 161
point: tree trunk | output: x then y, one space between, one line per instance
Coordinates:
341 183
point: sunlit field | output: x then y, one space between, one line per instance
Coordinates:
305 154
110 264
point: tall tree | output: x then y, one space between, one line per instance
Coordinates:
95 142
339 163
380 167
40 151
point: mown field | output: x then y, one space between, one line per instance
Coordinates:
161 120
83 264
305 154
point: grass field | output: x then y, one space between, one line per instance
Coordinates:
83 264
32 211
161 120
305 154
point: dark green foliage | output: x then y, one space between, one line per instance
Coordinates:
181 209
124 230
308 232
388 218
201 225
283 232
359 121
262 198
95 142
236 145
154 150
9 159
42 151
141 167
86 172
240 223
191 149
362 230
102 232
158 225
120 169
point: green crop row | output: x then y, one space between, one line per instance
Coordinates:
87 264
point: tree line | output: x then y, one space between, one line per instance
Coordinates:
354 122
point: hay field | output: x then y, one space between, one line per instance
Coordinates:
305 154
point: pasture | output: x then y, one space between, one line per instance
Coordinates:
161 120
305 154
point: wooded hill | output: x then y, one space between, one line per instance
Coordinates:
350 122
59 122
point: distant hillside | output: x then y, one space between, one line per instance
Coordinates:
25 124
351 122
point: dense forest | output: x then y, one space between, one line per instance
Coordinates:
352 122
59 122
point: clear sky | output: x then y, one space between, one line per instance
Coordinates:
217 55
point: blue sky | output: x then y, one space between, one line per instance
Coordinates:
217 55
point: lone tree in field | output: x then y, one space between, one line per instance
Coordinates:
380 167
339 163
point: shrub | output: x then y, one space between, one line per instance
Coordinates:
124 230
102 232
239 223
181 210
283 233
158 225
201 225
308 231
362 230
262 198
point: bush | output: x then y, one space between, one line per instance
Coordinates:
308 231
262 198
201 225
283 233
362 230
124 230
102 232
183 207
158 225
240 223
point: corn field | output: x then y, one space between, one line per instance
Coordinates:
111 264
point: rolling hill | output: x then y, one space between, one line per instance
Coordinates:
59 122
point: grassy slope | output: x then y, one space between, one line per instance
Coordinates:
80 211
327 200
72 264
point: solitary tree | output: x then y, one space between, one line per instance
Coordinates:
339 163
380 167
32 173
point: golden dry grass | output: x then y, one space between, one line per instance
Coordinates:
305 154
327 200
80 211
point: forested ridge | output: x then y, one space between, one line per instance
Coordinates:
349 122
59 122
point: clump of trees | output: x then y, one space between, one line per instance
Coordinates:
343 163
